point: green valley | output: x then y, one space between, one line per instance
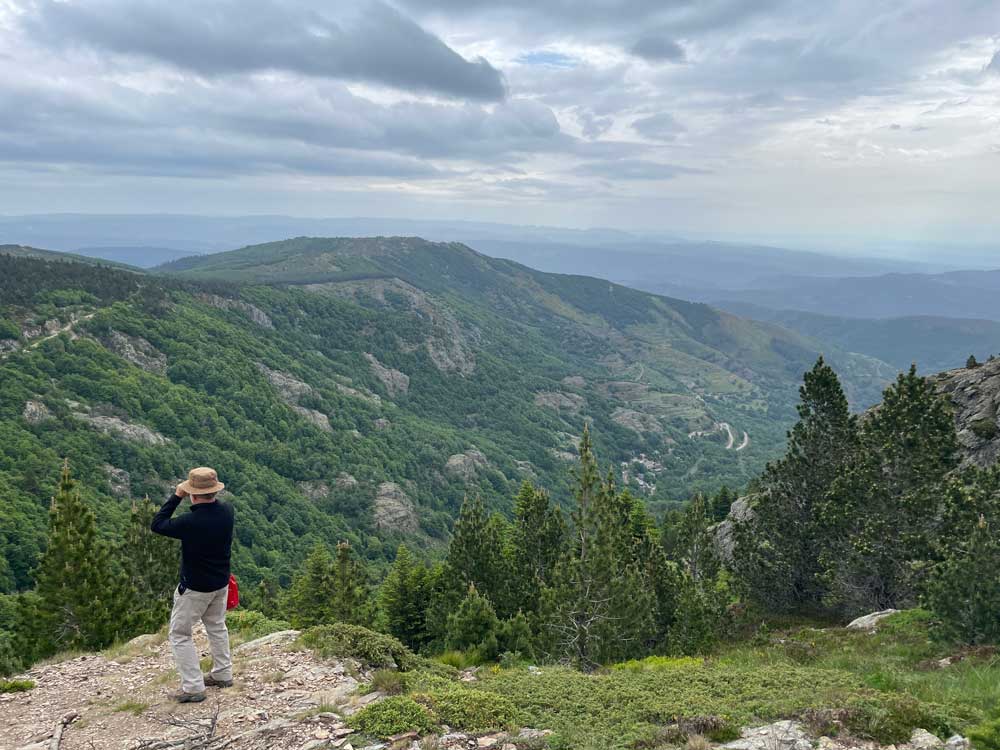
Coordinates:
359 389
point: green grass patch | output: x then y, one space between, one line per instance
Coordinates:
249 624
133 707
16 686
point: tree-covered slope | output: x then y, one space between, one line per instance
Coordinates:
359 389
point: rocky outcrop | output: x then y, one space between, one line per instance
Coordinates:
871 621
35 412
364 395
739 512
314 489
975 395
253 312
574 381
394 511
561 402
395 382
465 465
345 481
781 735
636 420
136 350
119 479
289 387
318 418
120 428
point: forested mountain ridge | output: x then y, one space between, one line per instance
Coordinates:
359 389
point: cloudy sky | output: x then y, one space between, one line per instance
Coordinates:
846 118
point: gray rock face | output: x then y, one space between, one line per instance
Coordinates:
394 510
975 395
289 387
870 621
740 512
136 350
781 735
395 382
120 428
35 412
465 465
253 312
345 481
636 420
318 418
314 490
557 401
119 479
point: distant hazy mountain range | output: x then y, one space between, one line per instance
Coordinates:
945 310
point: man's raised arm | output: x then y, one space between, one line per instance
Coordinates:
162 521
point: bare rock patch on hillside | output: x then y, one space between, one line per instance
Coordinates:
636 420
465 465
394 510
558 401
136 350
35 412
395 382
253 312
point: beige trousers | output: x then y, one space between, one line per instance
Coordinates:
210 608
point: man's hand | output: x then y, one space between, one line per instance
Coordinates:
180 493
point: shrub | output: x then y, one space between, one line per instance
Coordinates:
964 590
470 710
984 429
16 686
9 329
394 715
354 641
986 736
890 718
251 624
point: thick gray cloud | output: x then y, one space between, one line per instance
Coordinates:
658 48
725 112
662 127
377 44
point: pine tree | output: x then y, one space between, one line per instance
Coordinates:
476 553
474 625
309 600
892 490
777 550
82 601
963 590
350 601
266 600
972 362
151 563
404 599
537 538
600 606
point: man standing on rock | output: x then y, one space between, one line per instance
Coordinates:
206 534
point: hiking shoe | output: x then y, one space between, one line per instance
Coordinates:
183 697
212 682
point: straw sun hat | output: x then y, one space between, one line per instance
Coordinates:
201 481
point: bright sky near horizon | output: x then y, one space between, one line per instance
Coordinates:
741 117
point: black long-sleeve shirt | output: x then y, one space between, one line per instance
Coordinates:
206 534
